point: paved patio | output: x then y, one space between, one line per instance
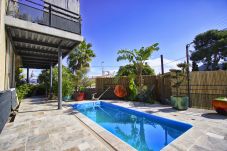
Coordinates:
39 126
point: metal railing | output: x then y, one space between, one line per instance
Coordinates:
45 14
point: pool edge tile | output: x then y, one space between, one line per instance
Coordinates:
115 142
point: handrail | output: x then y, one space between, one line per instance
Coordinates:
93 97
54 15
53 6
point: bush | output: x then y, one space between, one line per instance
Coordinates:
24 90
67 81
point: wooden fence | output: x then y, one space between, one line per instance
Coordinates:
103 83
204 87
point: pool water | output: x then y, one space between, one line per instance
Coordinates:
144 132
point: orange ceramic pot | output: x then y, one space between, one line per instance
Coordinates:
120 91
80 96
220 105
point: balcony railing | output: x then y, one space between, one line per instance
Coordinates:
45 14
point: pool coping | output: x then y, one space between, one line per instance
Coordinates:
106 136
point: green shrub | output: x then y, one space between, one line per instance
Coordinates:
67 81
133 92
24 90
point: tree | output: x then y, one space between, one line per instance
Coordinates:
67 80
210 48
131 69
138 58
80 57
195 66
79 62
179 76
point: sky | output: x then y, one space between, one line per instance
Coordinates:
111 25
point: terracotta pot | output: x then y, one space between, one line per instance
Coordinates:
79 96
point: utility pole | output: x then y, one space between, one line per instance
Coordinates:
102 68
188 76
162 66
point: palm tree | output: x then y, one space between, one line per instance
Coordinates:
80 57
138 58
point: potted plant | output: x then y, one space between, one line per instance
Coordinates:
80 95
178 101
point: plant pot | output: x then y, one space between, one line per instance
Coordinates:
65 98
220 105
80 96
179 102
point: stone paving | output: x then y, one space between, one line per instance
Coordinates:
39 126
209 132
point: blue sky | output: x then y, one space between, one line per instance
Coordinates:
111 25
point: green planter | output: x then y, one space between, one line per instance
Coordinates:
66 98
179 102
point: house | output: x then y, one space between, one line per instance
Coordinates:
37 34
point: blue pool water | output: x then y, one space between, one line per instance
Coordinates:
144 132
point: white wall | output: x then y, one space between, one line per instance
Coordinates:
2 45
9 65
7 55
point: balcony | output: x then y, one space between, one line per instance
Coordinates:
46 14
37 30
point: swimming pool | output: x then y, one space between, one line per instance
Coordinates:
142 131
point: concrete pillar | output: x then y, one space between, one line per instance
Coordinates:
51 81
59 78
27 75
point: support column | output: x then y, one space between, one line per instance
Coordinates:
59 78
51 81
27 75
